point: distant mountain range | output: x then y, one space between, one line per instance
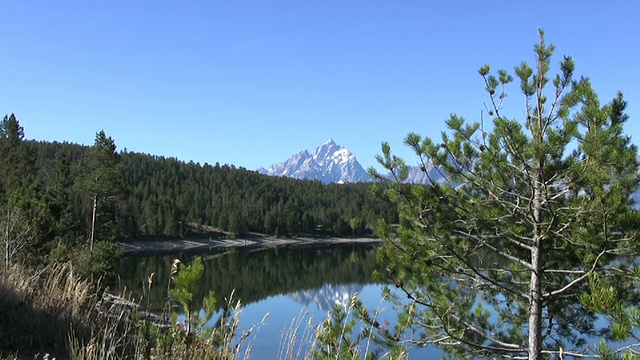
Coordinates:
332 163
329 163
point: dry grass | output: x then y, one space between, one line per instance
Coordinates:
297 339
40 309
53 314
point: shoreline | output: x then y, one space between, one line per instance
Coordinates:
162 246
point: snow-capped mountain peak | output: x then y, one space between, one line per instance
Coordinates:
329 163
328 150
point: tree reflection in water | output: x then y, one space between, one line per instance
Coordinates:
289 283
257 274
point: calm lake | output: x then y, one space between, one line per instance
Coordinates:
294 285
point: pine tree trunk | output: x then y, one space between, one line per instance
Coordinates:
535 305
93 221
535 284
6 242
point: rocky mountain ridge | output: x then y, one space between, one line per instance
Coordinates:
330 163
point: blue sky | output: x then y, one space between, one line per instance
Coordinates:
250 83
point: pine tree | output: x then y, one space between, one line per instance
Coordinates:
102 181
18 190
17 164
498 260
65 226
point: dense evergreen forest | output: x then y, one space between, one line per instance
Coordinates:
73 194
169 197
66 206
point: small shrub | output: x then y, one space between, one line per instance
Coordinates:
101 264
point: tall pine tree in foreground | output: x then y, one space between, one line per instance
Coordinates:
507 257
102 180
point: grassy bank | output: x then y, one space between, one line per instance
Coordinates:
53 313
43 310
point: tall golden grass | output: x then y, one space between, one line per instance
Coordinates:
40 309
52 313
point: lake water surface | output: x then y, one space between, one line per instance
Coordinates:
297 286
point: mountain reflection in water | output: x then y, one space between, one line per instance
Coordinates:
256 274
328 296
281 281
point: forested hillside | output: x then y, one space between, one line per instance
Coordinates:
64 207
166 196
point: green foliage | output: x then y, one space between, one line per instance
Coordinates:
185 285
199 336
59 254
335 337
102 264
55 196
37 208
624 320
20 194
17 163
351 331
168 197
65 223
339 337
256 275
531 213
101 180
